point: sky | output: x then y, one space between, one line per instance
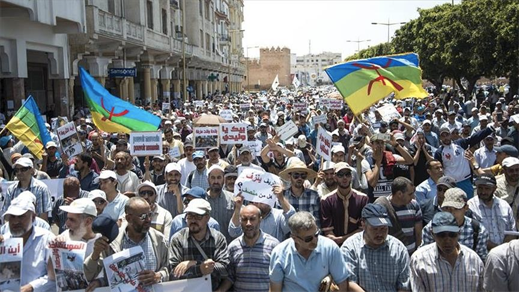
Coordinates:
324 25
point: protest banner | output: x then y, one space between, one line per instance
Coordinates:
335 104
323 102
205 137
324 144
69 140
255 147
198 103
256 186
244 107
288 130
389 112
166 106
258 105
174 152
122 270
146 143
67 260
11 255
300 106
231 133
226 114
55 189
322 119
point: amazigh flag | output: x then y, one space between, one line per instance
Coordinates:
364 82
29 127
112 114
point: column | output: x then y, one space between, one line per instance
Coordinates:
166 89
131 90
125 88
210 86
205 86
100 80
70 103
154 83
199 90
15 89
147 84
177 88
119 83
60 95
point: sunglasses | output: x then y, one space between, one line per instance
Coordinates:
299 175
99 202
194 216
146 193
446 234
21 169
440 189
311 237
145 216
343 174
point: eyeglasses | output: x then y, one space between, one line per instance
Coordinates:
311 237
299 175
446 234
21 169
99 202
145 216
343 174
194 216
146 193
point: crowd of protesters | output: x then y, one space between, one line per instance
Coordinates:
425 200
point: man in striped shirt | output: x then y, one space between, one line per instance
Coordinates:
446 265
249 254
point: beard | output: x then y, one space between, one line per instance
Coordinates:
77 235
22 230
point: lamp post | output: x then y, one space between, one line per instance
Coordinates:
248 77
388 24
358 41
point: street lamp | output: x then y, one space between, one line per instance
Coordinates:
247 58
388 24
358 41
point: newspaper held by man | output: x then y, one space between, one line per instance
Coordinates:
11 255
67 260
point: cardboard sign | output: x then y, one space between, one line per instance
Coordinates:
69 140
335 104
244 107
198 103
165 106
389 112
322 119
231 133
122 269
256 186
300 106
67 260
226 114
205 137
324 144
288 130
146 143
255 146
174 152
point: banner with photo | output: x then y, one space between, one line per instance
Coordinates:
69 140
67 260
256 186
11 255
123 268
205 137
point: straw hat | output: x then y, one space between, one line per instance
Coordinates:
296 165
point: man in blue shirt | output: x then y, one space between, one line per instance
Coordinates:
302 261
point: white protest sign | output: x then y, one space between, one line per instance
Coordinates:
324 144
256 186
389 112
300 106
244 106
11 255
255 147
69 140
319 119
324 102
146 143
174 152
288 130
226 114
231 133
198 103
165 106
205 137
335 104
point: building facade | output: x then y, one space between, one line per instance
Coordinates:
46 42
261 72
309 68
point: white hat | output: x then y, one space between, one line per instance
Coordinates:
213 167
20 206
172 167
168 122
338 148
198 206
47 125
399 136
81 206
327 165
301 141
24 162
27 195
105 174
147 183
510 161
483 118
50 144
94 194
426 122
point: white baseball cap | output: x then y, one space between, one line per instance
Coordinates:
28 196
105 174
20 206
24 162
94 194
172 167
510 161
198 206
215 167
81 206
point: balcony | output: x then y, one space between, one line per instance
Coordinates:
225 39
220 14
157 40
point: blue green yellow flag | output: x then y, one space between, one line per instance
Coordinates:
29 127
112 114
364 82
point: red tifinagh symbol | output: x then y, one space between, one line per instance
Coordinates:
380 77
112 112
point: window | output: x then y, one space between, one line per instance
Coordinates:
200 7
164 21
207 42
149 10
201 38
207 10
111 6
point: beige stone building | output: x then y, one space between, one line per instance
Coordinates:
262 71
43 43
